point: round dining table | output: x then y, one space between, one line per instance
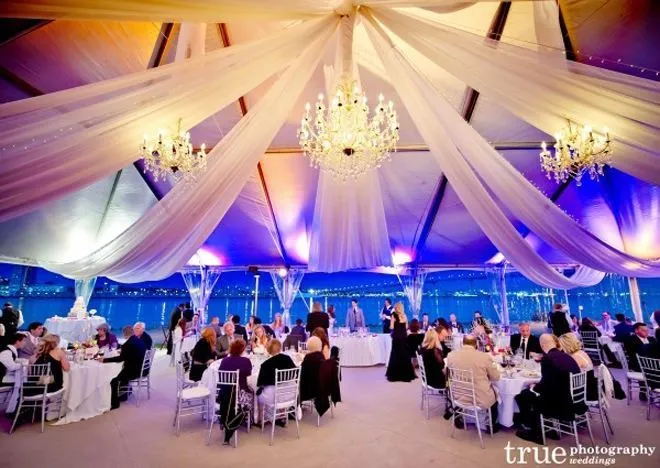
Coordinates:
363 351
511 385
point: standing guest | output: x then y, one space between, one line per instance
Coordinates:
259 340
525 341
332 317
11 318
317 318
607 324
278 326
203 354
622 330
178 336
132 355
139 331
386 314
105 339
399 367
434 363
31 346
570 344
266 380
325 342
455 325
424 325
175 316
355 317
50 353
224 342
216 325
414 338
552 395
558 321
8 358
238 328
483 374
575 323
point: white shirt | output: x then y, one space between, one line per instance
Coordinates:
7 360
644 340
33 339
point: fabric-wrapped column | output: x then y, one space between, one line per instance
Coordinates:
286 287
84 288
200 281
635 299
413 288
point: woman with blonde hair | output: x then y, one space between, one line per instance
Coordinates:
278 326
203 354
259 340
399 368
50 353
570 344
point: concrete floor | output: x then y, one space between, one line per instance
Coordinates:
379 424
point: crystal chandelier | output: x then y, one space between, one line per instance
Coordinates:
173 155
341 139
578 150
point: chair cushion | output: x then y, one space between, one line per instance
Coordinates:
195 392
635 376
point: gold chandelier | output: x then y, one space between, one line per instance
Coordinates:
578 150
173 155
341 139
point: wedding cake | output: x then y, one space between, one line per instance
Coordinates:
79 309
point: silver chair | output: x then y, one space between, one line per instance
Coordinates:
428 392
651 371
34 393
5 395
464 402
190 400
144 381
225 379
591 345
600 406
578 386
285 400
634 380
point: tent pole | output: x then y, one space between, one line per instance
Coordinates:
635 299
256 293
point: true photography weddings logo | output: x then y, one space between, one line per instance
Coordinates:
582 455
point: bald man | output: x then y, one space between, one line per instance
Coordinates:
552 395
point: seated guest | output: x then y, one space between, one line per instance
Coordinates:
317 318
236 362
310 368
139 331
132 355
35 329
557 320
249 328
525 341
278 326
652 349
266 380
259 340
414 337
225 341
635 343
425 324
216 325
575 323
238 328
607 325
552 395
479 319
259 323
105 339
454 325
50 353
483 373
11 318
8 358
589 326
3 337
325 342
434 363
299 330
622 330
570 344
442 329
203 354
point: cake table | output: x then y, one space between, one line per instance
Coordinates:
74 329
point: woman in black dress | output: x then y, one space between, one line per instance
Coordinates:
399 368
203 354
50 353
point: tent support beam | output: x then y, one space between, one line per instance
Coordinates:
420 148
469 105
226 42
26 27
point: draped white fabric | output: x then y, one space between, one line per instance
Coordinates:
171 232
200 281
531 85
286 289
452 142
78 136
191 42
498 297
84 288
635 300
413 288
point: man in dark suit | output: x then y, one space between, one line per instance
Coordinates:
551 396
132 355
224 341
238 328
317 318
525 341
386 314
622 330
635 343
140 332
454 325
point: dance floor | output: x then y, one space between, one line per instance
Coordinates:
379 424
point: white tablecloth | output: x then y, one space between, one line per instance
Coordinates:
87 390
507 389
615 347
74 329
358 351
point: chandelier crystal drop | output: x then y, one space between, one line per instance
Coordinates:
341 138
578 150
173 155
